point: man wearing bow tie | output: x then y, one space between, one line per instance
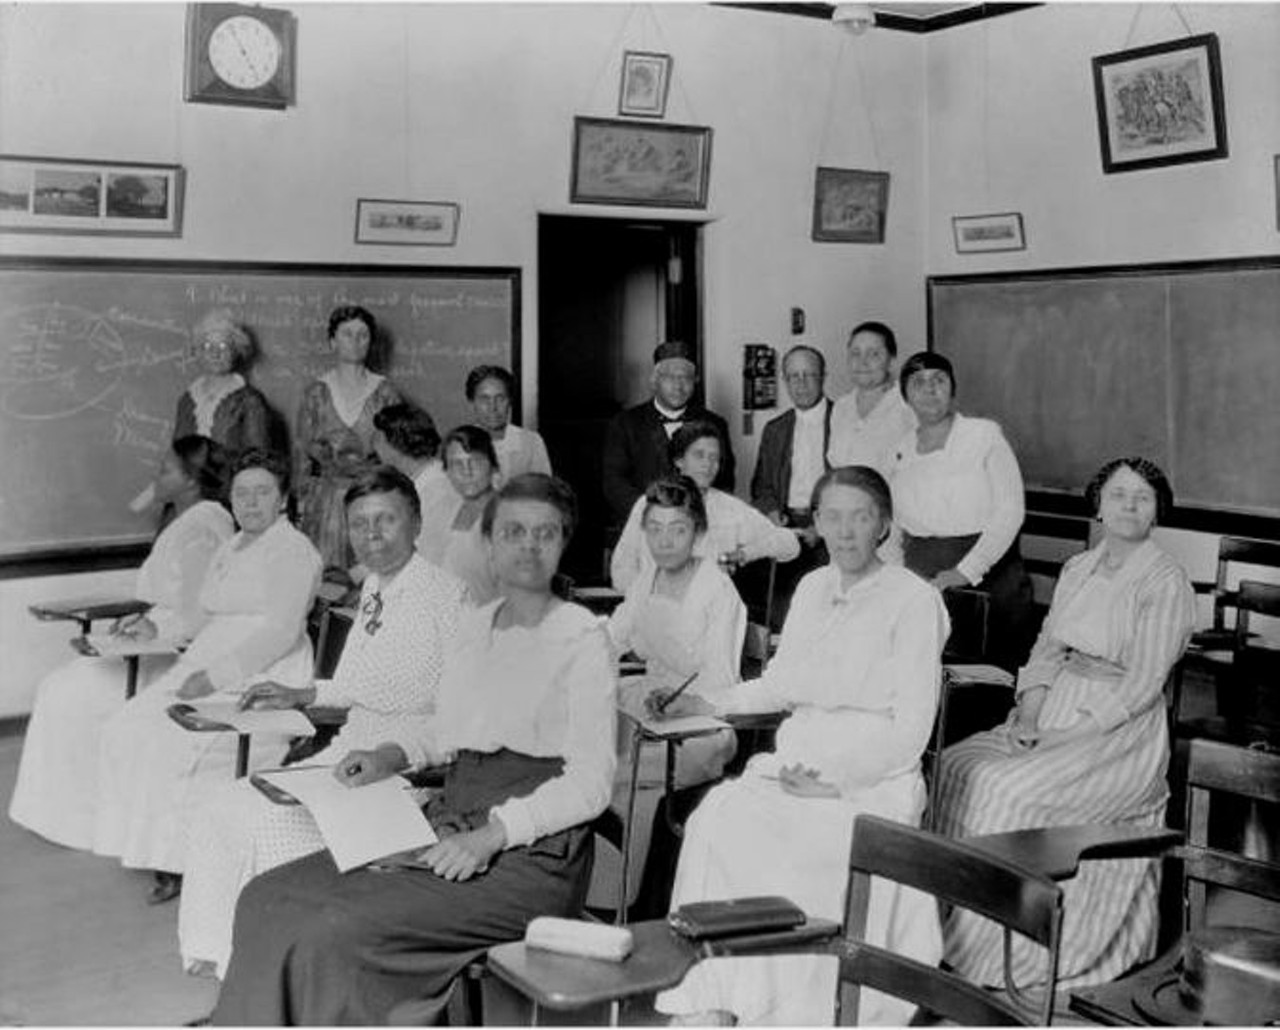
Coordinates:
635 445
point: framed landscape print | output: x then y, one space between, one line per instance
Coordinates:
986 233
407 223
1160 104
74 197
617 162
850 205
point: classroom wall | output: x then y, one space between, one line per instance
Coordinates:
1012 126
475 103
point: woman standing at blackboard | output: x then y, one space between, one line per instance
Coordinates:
220 404
334 440
957 496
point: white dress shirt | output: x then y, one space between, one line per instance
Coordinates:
807 464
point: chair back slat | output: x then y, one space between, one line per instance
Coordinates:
1232 871
1249 552
933 990
1024 901
1214 766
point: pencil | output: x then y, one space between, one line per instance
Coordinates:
661 706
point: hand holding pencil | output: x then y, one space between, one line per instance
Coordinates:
668 704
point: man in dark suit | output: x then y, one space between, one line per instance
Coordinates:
793 455
635 444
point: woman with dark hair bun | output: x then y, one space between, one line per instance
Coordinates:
334 437
1087 741
457 544
54 795
958 500
252 623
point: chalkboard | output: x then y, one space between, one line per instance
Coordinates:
94 355
1180 363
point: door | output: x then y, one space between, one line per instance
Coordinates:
609 291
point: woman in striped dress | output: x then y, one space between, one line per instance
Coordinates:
1087 741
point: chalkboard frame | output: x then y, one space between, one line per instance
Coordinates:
78 558
1202 519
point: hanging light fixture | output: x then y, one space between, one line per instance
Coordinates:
854 18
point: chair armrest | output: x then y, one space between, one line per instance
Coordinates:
326 715
1057 851
804 938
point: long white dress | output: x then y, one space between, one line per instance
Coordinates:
731 523
389 668
149 769
859 670
52 795
702 632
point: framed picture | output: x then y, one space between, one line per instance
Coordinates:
850 205
407 223
73 197
1160 104
981 234
631 163
645 78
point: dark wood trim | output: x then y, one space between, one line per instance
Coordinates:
1202 520
1262 261
886 19
13 725
65 561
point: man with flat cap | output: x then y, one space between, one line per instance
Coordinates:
635 444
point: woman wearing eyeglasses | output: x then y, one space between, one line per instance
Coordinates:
389 669
525 723
219 404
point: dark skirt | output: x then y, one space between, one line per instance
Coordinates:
1011 615
313 946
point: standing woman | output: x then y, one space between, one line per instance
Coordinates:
254 604
471 466
334 440
858 668
75 700
736 532
489 391
868 422
219 404
1087 741
525 719
957 493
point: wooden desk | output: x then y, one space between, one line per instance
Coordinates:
85 610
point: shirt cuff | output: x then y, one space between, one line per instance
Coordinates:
515 816
971 569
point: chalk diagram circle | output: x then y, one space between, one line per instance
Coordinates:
57 361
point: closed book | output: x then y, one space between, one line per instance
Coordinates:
702 919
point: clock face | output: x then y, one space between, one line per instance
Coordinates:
244 52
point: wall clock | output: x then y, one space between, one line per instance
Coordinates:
240 55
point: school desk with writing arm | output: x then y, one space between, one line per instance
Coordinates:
86 610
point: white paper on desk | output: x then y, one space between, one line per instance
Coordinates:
977 673
282 722
117 645
359 824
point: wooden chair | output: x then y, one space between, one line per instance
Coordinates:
931 760
950 870
1214 768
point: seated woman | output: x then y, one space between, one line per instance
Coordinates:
471 465
526 720
254 604
1087 741
858 668
406 439
52 795
684 617
390 668
736 532
489 390
957 492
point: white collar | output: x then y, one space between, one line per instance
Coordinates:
669 413
814 414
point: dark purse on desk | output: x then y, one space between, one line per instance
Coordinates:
702 919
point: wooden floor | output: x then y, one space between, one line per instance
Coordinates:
78 944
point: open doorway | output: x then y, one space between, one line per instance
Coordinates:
609 290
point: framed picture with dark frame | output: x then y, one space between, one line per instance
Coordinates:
648 165
850 205
1160 104
983 234
73 197
407 223
645 79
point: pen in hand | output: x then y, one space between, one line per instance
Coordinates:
662 705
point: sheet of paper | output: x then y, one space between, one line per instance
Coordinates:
980 674
284 722
119 646
359 824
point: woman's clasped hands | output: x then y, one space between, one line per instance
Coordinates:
805 782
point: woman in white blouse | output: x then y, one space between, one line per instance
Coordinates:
73 702
253 610
858 667
958 499
736 532
390 668
525 721
472 467
489 390
868 421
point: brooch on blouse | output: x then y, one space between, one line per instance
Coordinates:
373 613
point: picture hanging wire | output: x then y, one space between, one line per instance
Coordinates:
667 48
863 95
612 55
1137 13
